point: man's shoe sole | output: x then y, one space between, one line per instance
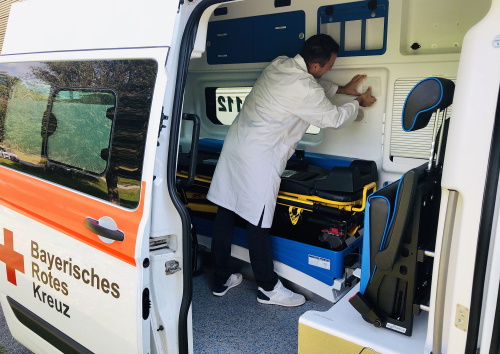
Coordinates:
229 287
269 302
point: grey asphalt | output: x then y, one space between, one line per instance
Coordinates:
7 342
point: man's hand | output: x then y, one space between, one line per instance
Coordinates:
350 88
366 99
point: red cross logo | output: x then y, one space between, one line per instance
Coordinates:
13 260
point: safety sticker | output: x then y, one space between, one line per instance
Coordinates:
396 327
319 262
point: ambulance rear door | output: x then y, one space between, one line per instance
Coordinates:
79 123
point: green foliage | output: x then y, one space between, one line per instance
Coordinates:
119 74
22 129
82 132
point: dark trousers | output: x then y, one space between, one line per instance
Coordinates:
259 247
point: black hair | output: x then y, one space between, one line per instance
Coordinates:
319 49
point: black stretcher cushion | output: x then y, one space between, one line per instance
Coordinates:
341 184
348 179
307 188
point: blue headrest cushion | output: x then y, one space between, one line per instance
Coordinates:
424 99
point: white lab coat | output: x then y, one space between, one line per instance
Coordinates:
284 101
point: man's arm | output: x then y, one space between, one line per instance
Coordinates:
350 88
329 87
365 99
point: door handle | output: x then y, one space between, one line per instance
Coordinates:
93 225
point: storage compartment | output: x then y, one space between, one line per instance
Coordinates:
255 39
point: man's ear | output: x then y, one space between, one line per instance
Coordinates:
313 67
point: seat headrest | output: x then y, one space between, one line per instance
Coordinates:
424 99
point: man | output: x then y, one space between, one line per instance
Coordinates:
285 100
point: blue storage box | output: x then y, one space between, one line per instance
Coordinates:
319 263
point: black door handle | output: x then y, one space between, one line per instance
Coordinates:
93 225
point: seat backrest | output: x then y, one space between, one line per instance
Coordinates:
386 217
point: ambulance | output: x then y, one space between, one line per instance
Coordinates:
112 115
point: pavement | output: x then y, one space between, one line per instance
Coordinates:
7 342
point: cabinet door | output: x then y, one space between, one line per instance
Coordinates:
278 34
230 41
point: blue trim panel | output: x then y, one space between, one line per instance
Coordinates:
366 258
320 160
365 251
292 253
392 214
354 11
422 111
211 145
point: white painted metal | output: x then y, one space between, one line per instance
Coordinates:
465 165
91 310
60 30
59 25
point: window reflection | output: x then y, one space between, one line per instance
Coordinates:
80 124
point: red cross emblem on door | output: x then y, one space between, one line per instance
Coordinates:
13 260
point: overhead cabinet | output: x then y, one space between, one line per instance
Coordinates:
255 39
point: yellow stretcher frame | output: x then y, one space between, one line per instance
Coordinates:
307 201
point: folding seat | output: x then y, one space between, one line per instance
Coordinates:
401 222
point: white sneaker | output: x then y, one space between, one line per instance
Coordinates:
234 280
280 296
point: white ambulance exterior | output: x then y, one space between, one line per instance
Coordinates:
95 243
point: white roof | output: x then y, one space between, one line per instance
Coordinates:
61 25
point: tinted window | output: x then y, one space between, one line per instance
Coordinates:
78 129
79 124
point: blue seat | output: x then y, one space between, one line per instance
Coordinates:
401 222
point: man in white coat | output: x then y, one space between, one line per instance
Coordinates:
287 98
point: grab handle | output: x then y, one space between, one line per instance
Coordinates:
442 278
194 150
93 225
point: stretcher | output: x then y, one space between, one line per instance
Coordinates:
317 226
